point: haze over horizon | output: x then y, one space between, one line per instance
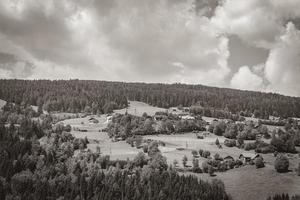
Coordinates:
249 45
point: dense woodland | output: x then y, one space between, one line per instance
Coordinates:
102 97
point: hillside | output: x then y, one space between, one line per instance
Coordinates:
102 96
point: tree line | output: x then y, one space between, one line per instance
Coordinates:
102 97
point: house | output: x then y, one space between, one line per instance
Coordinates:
93 120
228 159
108 119
273 118
187 117
159 117
248 157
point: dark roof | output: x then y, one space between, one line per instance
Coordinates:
228 157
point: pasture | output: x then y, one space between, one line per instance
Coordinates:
138 108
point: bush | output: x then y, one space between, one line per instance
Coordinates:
211 170
194 153
205 166
145 148
298 169
200 137
265 149
196 167
206 154
281 163
217 157
230 143
217 142
175 163
222 167
238 163
230 164
201 152
184 160
250 146
259 163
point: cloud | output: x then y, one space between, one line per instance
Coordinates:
192 41
283 64
257 22
12 67
245 79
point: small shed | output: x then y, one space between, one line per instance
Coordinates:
93 120
247 157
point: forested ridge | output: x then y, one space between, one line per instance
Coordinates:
102 96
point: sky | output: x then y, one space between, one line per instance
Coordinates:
249 44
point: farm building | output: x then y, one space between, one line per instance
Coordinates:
248 157
228 158
93 120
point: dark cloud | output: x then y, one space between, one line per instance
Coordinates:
13 67
242 54
206 7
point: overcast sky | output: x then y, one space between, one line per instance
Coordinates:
244 44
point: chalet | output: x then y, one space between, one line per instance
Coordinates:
159 117
248 157
228 159
93 120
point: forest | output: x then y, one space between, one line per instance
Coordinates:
103 97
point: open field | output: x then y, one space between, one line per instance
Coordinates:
138 108
116 150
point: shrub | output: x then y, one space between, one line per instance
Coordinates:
250 146
201 152
184 160
200 137
281 163
238 163
211 170
259 163
217 142
222 167
206 154
145 148
194 153
230 164
217 157
265 149
230 142
175 163
278 144
205 166
196 167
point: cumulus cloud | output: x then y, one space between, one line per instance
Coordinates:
245 79
257 22
283 64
